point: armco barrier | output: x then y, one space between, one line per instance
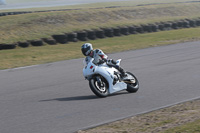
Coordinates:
16 13
105 32
3 14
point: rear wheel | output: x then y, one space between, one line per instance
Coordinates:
132 84
99 86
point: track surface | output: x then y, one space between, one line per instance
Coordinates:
51 3
55 98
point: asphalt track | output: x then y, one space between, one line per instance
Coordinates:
55 98
51 3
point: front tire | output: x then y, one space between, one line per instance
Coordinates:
132 87
99 90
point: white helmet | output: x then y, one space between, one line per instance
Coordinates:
86 49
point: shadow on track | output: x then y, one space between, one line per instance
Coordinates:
76 98
80 98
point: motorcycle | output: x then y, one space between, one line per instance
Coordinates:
105 80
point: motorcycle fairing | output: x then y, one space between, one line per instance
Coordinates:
91 69
108 74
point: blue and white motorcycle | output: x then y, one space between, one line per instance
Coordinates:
105 80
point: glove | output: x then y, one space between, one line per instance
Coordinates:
111 62
104 59
100 62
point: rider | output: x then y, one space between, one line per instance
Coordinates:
99 57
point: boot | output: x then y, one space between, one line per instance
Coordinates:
123 73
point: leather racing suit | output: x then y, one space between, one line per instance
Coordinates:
100 57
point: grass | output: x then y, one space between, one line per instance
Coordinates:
32 26
45 54
180 118
192 127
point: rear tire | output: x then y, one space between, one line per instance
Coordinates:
100 91
132 87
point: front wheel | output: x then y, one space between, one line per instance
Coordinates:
133 85
99 86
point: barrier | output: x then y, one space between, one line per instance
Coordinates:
174 25
146 28
60 38
161 27
7 46
72 37
116 32
197 22
180 24
91 35
154 27
139 29
105 32
82 35
36 42
167 26
49 41
192 23
23 44
108 32
131 30
124 30
99 34
186 24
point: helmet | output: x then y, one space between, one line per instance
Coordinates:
86 49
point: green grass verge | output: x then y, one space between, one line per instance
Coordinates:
45 54
14 28
180 118
192 127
